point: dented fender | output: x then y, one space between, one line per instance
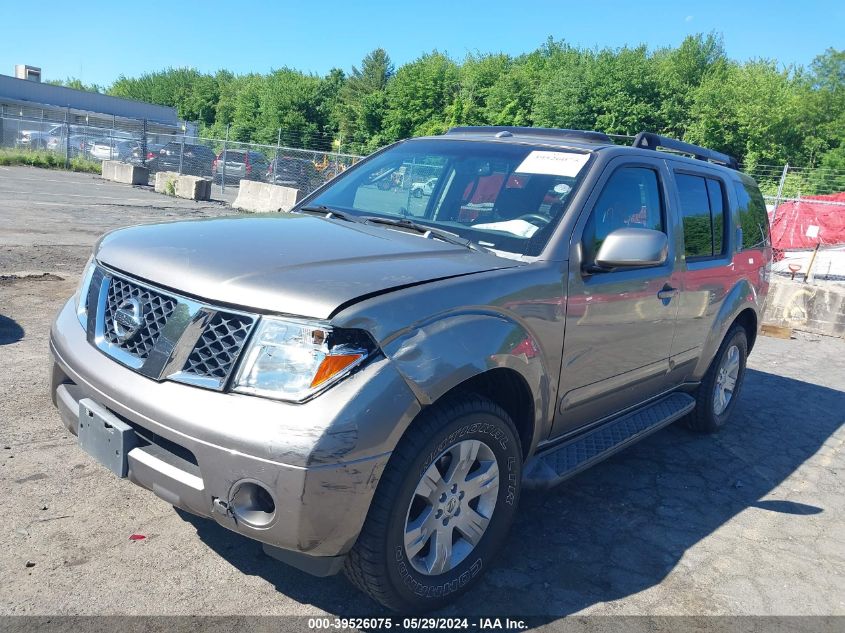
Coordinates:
443 352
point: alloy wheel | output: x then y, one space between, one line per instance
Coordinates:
451 508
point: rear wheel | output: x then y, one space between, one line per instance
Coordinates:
717 394
443 507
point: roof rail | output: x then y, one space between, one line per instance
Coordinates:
648 140
586 136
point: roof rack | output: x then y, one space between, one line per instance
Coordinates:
648 140
503 131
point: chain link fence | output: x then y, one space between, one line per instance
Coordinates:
807 216
806 204
227 162
224 161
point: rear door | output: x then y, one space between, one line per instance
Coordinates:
619 325
704 208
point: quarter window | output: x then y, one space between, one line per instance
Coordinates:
630 199
703 213
753 218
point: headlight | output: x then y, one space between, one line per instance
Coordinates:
81 296
292 360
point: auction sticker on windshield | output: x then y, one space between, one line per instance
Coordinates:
553 163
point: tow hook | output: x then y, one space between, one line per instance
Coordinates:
221 507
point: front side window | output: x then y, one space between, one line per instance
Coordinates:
630 199
506 197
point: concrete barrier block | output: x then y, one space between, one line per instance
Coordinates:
124 172
815 308
193 188
261 197
162 180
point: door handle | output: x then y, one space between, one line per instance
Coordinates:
666 293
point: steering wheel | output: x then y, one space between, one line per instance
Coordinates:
536 219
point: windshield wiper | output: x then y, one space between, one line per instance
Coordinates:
328 213
440 234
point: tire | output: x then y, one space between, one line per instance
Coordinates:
379 564
708 415
418 193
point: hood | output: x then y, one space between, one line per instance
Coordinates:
289 264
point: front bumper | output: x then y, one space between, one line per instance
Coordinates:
320 460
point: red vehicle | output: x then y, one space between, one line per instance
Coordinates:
239 165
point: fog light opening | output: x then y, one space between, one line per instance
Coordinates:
252 504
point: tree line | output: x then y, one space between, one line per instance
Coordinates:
757 110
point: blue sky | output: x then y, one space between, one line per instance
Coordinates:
98 41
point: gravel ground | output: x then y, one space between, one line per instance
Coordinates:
750 521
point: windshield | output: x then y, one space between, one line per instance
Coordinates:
501 196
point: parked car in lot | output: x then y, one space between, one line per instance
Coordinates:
37 138
426 188
193 160
364 390
239 165
78 145
106 148
293 171
133 152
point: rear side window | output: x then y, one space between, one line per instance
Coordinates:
753 218
630 199
703 212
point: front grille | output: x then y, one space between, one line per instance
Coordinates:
178 339
156 309
217 349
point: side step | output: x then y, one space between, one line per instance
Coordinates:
553 466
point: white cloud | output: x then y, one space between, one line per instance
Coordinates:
688 18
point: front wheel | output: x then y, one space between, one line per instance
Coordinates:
717 394
443 507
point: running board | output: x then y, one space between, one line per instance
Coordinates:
553 466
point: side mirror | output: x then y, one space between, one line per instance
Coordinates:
630 248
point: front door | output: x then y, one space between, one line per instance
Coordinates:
619 324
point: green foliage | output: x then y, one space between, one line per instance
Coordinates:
419 97
170 187
192 93
362 101
76 84
758 111
47 160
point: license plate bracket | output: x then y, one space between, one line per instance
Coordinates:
105 437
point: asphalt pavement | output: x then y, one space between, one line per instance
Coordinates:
749 521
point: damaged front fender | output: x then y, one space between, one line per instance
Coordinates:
438 355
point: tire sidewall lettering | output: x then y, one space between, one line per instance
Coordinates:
434 591
499 440
497 434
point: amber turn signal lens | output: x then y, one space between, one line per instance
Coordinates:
332 365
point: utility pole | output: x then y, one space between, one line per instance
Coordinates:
780 191
276 162
223 173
